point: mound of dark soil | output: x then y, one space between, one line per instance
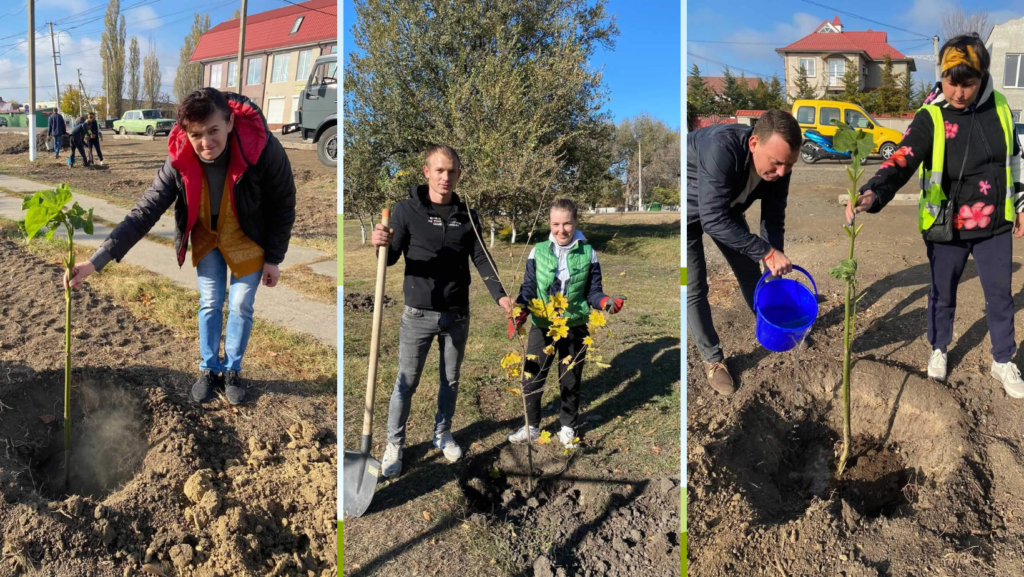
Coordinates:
361 302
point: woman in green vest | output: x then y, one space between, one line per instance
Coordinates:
562 271
964 148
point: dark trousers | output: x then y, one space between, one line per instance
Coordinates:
94 144
569 380
994 258
698 309
77 145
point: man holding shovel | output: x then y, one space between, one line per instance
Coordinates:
432 229
728 167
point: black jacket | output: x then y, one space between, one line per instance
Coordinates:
78 133
263 195
981 153
56 125
718 166
437 253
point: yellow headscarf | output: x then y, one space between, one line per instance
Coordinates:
955 57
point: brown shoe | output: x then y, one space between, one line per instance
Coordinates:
720 379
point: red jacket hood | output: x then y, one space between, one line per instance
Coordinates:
250 128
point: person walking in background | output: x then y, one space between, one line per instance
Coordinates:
728 167
94 135
57 128
972 200
564 265
78 142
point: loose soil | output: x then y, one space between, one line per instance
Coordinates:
158 484
361 302
131 165
934 485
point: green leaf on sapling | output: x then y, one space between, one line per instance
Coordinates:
846 271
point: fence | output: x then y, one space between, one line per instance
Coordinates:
21 121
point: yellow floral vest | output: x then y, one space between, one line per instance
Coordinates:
243 256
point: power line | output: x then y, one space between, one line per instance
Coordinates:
852 15
310 9
776 43
763 76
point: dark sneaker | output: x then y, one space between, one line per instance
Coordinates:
720 379
234 388
204 385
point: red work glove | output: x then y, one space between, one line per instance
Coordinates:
515 323
612 305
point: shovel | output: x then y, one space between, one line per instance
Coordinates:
361 470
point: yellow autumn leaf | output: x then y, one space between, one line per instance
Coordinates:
511 360
514 390
495 473
549 311
528 375
559 321
545 437
597 318
549 350
567 359
506 230
559 302
623 273
558 332
517 310
588 341
537 308
531 357
602 365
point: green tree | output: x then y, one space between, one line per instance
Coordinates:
778 94
72 101
920 93
892 97
700 99
112 54
767 96
804 90
507 83
134 72
151 77
189 76
735 93
647 139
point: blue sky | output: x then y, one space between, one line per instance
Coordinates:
714 33
166 22
642 74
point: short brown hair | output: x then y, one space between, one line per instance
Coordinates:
779 122
566 205
445 150
201 104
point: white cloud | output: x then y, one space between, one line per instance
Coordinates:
65 6
81 53
781 34
142 18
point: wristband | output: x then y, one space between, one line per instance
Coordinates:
770 255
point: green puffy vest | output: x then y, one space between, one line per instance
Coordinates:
578 259
932 195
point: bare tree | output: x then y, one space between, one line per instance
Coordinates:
151 77
956 21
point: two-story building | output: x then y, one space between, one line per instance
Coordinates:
1006 46
828 52
281 46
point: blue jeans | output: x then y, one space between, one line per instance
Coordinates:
419 327
56 145
213 281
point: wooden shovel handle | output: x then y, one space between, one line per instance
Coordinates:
378 312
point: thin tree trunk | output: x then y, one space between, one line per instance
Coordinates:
67 374
492 234
513 231
362 227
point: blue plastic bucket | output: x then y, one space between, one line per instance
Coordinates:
785 311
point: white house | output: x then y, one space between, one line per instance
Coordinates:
1006 45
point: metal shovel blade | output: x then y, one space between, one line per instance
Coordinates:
360 481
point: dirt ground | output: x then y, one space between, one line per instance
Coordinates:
609 508
158 485
132 164
937 485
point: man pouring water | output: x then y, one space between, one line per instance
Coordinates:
728 167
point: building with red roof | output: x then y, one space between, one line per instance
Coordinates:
281 47
827 53
717 83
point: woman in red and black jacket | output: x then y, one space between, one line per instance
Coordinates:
233 193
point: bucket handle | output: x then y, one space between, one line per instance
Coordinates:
764 277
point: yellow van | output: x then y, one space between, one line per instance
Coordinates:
818 114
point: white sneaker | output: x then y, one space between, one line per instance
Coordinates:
392 464
1009 375
567 437
937 365
519 437
447 444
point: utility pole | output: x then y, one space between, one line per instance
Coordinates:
241 44
938 63
81 91
31 81
640 174
53 49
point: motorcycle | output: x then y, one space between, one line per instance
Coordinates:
817 147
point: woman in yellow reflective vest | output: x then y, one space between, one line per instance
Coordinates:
963 146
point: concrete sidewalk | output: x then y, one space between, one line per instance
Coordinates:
279 305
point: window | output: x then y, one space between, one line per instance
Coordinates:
295 27
828 114
280 72
334 49
855 119
232 73
325 74
805 115
215 71
305 60
1013 73
255 66
836 70
150 114
808 64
